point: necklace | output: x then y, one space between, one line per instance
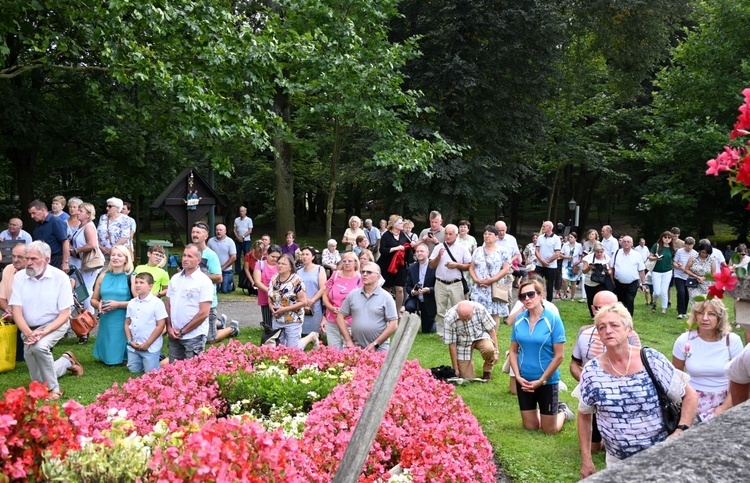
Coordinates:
627 368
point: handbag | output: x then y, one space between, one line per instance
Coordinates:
500 292
691 282
7 345
598 274
84 322
506 363
464 283
650 264
670 411
92 260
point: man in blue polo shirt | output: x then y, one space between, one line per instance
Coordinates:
53 231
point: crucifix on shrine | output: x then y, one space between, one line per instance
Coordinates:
188 199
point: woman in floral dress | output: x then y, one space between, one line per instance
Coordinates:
287 300
700 266
488 265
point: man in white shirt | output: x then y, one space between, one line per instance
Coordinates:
188 303
609 242
42 320
226 250
243 228
507 242
448 286
629 273
642 249
548 247
15 231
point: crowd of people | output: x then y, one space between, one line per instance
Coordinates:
461 290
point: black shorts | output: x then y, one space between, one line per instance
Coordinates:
544 397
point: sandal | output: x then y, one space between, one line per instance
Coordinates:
653 309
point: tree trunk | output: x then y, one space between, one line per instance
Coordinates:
283 172
333 173
24 162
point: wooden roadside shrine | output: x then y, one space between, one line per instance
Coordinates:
188 199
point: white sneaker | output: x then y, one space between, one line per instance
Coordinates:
235 325
222 321
315 340
563 408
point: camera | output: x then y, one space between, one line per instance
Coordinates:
417 287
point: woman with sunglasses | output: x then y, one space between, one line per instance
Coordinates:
262 275
536 352
337 288
662 252
594 264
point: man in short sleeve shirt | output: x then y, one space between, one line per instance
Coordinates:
243 229
469 326
188 303
548 248
448 273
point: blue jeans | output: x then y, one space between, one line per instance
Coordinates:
242 248
227 281
142 361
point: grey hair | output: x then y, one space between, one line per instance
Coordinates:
39 246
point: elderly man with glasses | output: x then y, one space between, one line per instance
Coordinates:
373 312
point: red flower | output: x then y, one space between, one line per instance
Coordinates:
725 280
715 292
743 173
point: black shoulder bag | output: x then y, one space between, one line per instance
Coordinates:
464 283
669 410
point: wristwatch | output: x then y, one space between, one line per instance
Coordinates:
377 346
682 427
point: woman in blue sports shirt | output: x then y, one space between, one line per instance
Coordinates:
536 352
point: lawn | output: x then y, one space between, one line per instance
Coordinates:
526 456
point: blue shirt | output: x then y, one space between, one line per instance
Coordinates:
536 348
53 231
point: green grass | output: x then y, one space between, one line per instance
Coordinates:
527 456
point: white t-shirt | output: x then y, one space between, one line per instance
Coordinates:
242 225
707 361
548 245
739 369
42 298
628 266
592 261
185 295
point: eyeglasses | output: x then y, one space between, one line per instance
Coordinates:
366 272
667 237
526 295
596 308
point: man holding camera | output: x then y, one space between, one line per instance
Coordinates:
434 234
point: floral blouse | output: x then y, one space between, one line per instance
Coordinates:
284 294
110 231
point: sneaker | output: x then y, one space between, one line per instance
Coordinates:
235 325
83 339
315 340
222 321
563 408
75 367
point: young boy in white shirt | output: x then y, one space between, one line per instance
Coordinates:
145 320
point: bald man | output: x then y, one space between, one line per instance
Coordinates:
15 231
226 250
469 326
589 346
507 242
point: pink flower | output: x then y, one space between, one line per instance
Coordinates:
724 161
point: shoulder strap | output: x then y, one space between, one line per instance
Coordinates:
659 389
729 353
449 252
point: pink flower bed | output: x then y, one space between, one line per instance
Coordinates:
427 428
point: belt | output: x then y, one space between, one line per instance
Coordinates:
447 282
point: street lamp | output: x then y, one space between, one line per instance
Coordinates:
574 211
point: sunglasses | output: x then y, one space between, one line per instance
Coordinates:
366 272
526 295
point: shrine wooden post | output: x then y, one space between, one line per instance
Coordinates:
377 402
176 199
